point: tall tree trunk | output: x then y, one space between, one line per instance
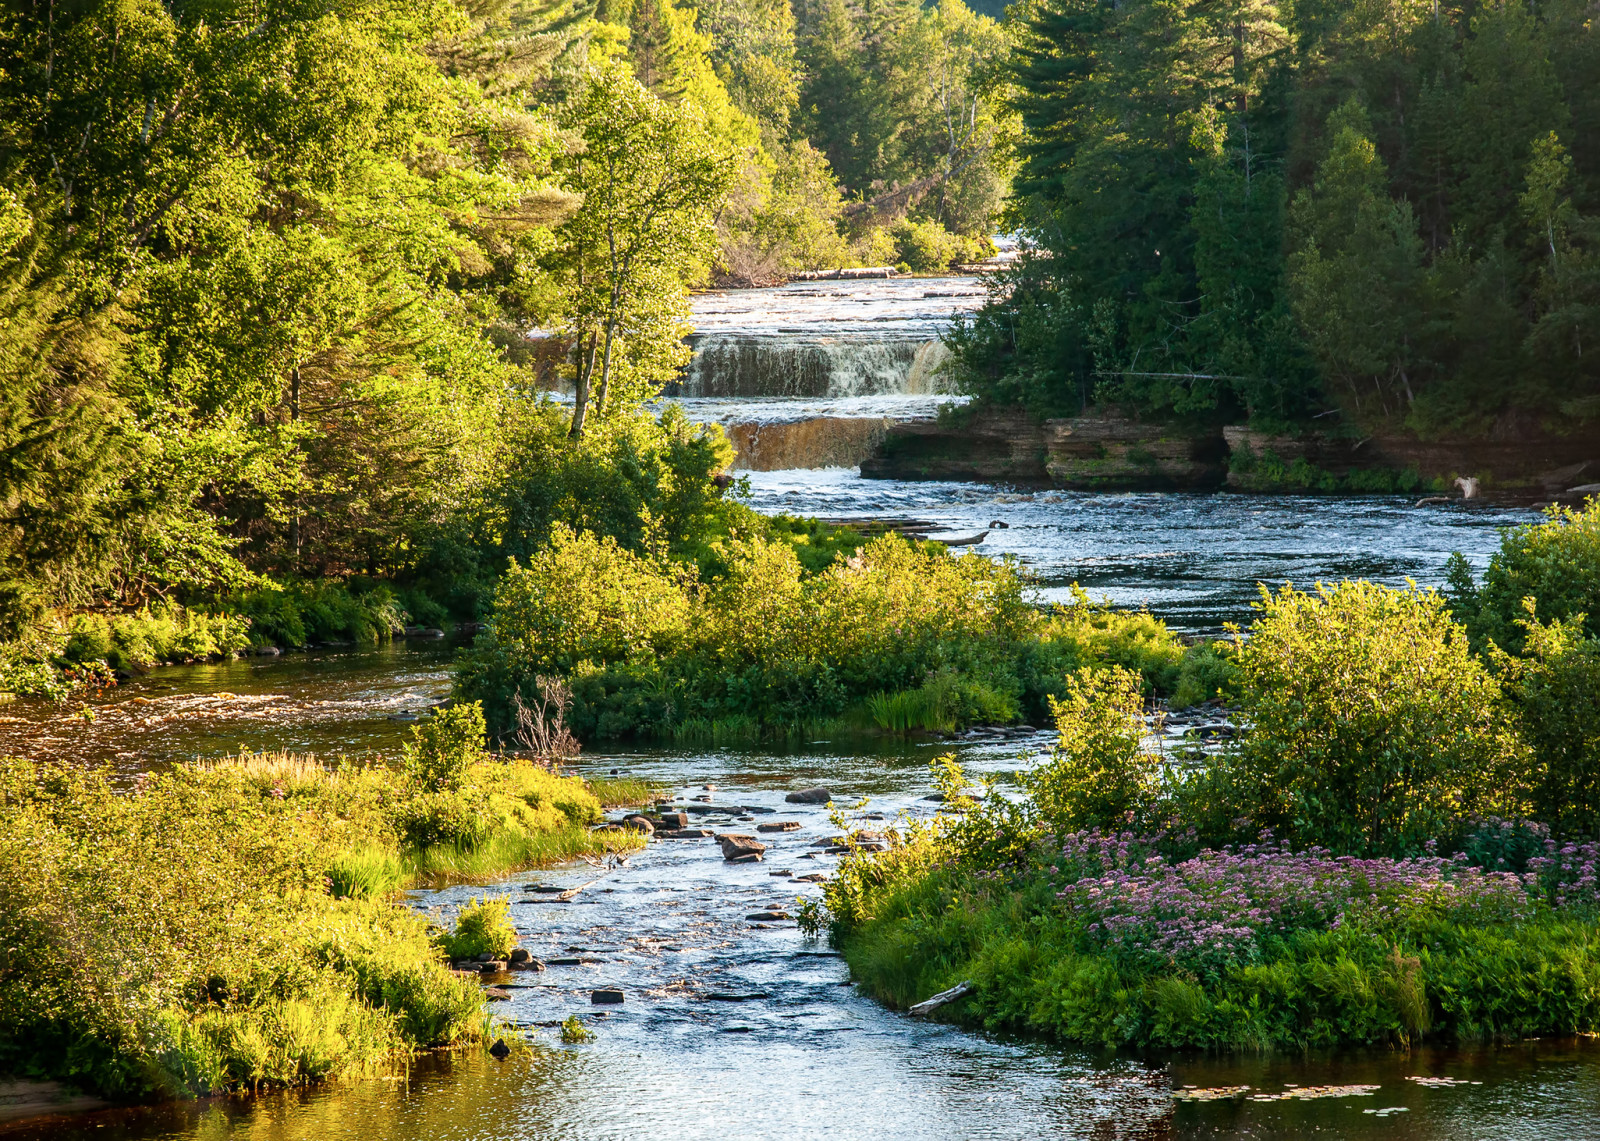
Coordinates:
605 372
294 518
580 403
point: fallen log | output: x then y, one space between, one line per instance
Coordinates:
943 998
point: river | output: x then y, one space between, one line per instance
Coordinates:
740 1026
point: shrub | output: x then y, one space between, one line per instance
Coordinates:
586 599
764 641
1555 695
483 927
183 940
1099 774
1207 672
1556 562
1089 633
444 747
1372 728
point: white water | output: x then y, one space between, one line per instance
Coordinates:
835 340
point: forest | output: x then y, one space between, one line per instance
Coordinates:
1375 216
285 285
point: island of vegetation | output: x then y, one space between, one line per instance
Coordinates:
1398 846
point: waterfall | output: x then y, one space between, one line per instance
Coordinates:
742 365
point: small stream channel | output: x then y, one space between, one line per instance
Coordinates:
736 1025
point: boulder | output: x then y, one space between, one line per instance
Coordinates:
639 822
495 994
518 955
810 796
779 826
674 820
606 994
686 834
744 858
735 845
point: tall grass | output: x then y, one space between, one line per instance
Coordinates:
620 792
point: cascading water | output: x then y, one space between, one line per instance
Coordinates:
739 365
812 374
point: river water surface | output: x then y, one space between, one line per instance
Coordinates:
735 1024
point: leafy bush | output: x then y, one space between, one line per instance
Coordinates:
587 599
1557 562
1555 694
1207 672
444 747
924 246
1099 774
648 648
299 612
483 927
1089 633
1372 728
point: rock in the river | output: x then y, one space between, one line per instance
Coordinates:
767 915
606 994
735 845
813 877
674 820
518 955
779 826
493 967
499 1049
744 858
640 822
495 994
810 796
686 834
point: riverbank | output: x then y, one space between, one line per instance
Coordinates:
1111 452
233 925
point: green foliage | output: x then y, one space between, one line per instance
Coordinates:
1206 673
647 647
1372 726
1417 978
1273 212
1556 562
573 1031
1099 774
908 103
1555 693
652 174
183 939
483 927
1089 633
444 748
297 613
925 246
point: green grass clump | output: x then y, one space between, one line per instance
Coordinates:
186 939
483 927
621 792
231 925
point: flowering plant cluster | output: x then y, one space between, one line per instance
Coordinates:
1566 875
1218 905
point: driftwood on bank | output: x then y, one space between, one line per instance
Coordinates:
943 998
856 274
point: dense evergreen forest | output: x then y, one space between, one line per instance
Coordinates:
270 266
1386 213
